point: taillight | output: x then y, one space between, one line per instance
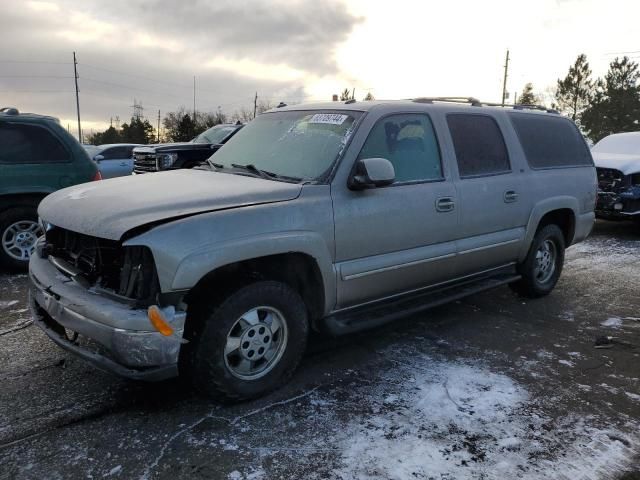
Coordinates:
97 176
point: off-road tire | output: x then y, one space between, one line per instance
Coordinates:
7 218
203 357
529 286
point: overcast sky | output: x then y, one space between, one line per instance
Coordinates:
292 50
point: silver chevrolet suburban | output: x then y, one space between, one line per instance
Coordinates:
334 217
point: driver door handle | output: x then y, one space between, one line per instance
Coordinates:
510 196
445 204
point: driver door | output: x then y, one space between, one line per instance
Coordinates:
398 238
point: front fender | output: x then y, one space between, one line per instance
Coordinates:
213 256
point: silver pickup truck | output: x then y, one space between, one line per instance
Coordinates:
335 217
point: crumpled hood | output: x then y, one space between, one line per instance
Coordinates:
626 163
109 208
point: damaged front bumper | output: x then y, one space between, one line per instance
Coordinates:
619 205
111 335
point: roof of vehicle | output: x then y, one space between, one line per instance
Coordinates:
14 113
109 145
626 142
444 103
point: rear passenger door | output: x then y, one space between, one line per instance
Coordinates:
494 206
401 237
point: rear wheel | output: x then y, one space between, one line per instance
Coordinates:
542 268
19 231
248 344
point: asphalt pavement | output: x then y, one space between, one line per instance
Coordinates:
493 386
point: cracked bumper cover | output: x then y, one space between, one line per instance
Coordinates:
138 353
625 204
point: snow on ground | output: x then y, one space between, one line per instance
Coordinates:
430 418
454 420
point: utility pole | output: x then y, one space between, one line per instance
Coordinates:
75 76
504 82
255 105
353 94
194 100
158 126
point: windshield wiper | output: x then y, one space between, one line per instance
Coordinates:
217 166
252 168
266 174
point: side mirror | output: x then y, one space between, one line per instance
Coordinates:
98 158
371 173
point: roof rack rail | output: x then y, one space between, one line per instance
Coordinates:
9 111
473 101
477 103
522 106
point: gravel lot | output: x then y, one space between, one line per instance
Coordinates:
490 387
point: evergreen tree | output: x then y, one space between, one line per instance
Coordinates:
346 95
527 97
615 106
137 131
369 97
576 90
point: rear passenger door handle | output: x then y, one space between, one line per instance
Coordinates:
510 196
445 204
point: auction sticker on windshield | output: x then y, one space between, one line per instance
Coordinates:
330 118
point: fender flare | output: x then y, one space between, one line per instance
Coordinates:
540 210
211 257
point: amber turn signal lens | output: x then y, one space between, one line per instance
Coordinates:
157 320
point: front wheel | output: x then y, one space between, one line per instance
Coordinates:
542 268
248 344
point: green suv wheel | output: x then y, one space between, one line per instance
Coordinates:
19 231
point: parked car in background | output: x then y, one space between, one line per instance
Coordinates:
173 156
37 157
617 159
113 160
335 217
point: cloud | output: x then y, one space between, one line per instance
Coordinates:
151 50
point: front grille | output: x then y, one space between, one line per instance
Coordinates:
144 162
127 272
611 180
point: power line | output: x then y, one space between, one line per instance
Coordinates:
622 53
36 76
36 91
35 62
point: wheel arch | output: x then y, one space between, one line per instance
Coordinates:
561 211
298 270
10 200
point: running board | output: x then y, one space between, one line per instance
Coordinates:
362 318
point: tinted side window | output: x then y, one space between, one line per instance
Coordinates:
117 153
479 145
21 143
550 141
408 141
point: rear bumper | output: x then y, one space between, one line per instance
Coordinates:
57 303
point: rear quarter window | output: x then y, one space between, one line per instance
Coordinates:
25 143
479 145
551 142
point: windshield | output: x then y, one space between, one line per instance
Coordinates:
628 143
297 144
215 134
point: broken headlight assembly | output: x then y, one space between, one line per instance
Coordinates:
166 160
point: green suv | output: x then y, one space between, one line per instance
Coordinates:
37 157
